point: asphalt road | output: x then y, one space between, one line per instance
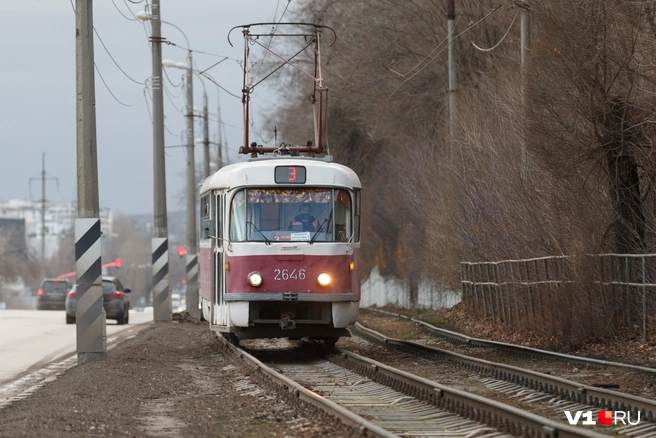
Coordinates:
30 339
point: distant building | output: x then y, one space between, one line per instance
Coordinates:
13 235
58 221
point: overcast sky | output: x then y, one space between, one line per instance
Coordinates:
37 115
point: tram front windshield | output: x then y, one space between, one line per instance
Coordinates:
289 214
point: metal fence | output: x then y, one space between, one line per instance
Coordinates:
531 292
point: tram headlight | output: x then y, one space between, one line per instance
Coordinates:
323 279
255 279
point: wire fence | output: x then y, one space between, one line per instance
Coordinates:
618 288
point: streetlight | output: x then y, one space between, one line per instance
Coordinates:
205 141
160 241
219 143
192 260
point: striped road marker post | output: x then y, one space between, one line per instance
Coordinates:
89 313
162 306
192 285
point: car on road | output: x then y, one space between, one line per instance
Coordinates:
52 293
177 302
115 301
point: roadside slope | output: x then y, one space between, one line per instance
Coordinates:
170 380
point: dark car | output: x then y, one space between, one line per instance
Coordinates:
115 301
52 293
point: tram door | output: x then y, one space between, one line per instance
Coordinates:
220 313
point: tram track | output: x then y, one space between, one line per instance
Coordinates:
555 393
546 391
379 400
516 350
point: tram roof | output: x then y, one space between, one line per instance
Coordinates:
260 172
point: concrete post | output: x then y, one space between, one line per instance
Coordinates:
453 86
160 267
90 315
206 139
191 281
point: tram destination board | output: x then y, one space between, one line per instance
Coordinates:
290 175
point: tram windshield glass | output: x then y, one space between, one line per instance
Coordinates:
290 214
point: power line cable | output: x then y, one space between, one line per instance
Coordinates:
202 52
128 6
150 98
170 97
112 58
500 41
274 29
120 12
428 59
110 55
110 91
170 81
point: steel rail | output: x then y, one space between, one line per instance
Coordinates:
497 415
552 385
303 394
520 350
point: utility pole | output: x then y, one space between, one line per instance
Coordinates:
43 211
191 258
43 179
162 307
525 32
525 40
451 16
90 315
219 136
206 139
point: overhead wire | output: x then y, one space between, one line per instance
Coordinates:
124 16
136 3
170 81
117 65
147 89
428 59
110 91
500 41
251 122
112 58
273 31
171 97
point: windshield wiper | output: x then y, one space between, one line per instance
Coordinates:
267 241
316 233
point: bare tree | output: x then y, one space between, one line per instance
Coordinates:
593 114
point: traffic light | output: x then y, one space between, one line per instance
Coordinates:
117 263
181 251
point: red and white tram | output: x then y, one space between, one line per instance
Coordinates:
280 233
269 270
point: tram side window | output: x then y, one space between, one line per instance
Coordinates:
356 216
238 217
218 216
342 216
205 207
206 225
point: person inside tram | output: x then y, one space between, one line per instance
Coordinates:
304 220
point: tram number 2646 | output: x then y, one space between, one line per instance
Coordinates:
286 274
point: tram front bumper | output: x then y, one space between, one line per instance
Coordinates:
290 314
288 296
